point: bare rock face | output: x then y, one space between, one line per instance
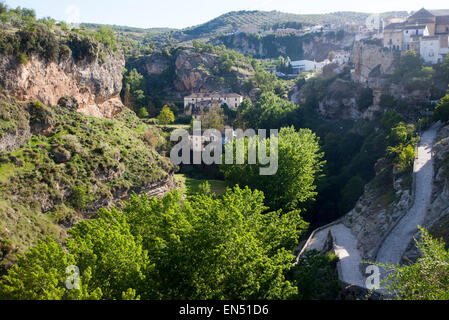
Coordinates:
439 209
369 59
191 71
319 47
374 214
156 64
340 101
95 86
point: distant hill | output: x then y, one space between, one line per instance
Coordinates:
138 40
128 29
235 20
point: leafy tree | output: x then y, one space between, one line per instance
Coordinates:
116 258
427 279
196 45
442 110
106 36
49 22
214 118
204 188
81 198
316 276
166 116
299 163
40 274
365 98
390 119
217 248
406 157
134 84
351 193
444 69
269 112
143 113
411 72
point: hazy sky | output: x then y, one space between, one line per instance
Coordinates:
184 13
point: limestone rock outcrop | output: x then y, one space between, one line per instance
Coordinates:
369 59
95 86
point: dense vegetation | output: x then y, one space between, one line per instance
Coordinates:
427 278
72 165
202 248
202 242
299 163
22 35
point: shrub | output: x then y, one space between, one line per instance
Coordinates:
23 59
83 48
143 113
65 53
151 139
442 110
81 198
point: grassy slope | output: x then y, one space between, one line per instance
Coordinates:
39 195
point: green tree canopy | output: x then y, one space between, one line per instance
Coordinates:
299 163
166 116
217 248
41 273
427 279
442 110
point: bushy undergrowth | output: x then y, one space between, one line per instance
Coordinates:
72 165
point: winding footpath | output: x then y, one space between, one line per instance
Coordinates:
399 237
402 234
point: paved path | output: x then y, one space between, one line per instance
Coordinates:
345 248
402 234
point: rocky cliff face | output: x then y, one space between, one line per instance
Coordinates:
186 71
193 71
340 101
375 213
319 47
369 59
315 47
95 86
373 67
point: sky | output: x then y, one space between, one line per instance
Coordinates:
186 13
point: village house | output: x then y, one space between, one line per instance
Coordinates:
426 32
196 103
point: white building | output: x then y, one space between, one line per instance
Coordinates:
304 66
341 57
425 32
233 100
412 36
434 48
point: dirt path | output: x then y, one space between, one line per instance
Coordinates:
400 236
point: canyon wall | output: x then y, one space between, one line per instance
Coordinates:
95 86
